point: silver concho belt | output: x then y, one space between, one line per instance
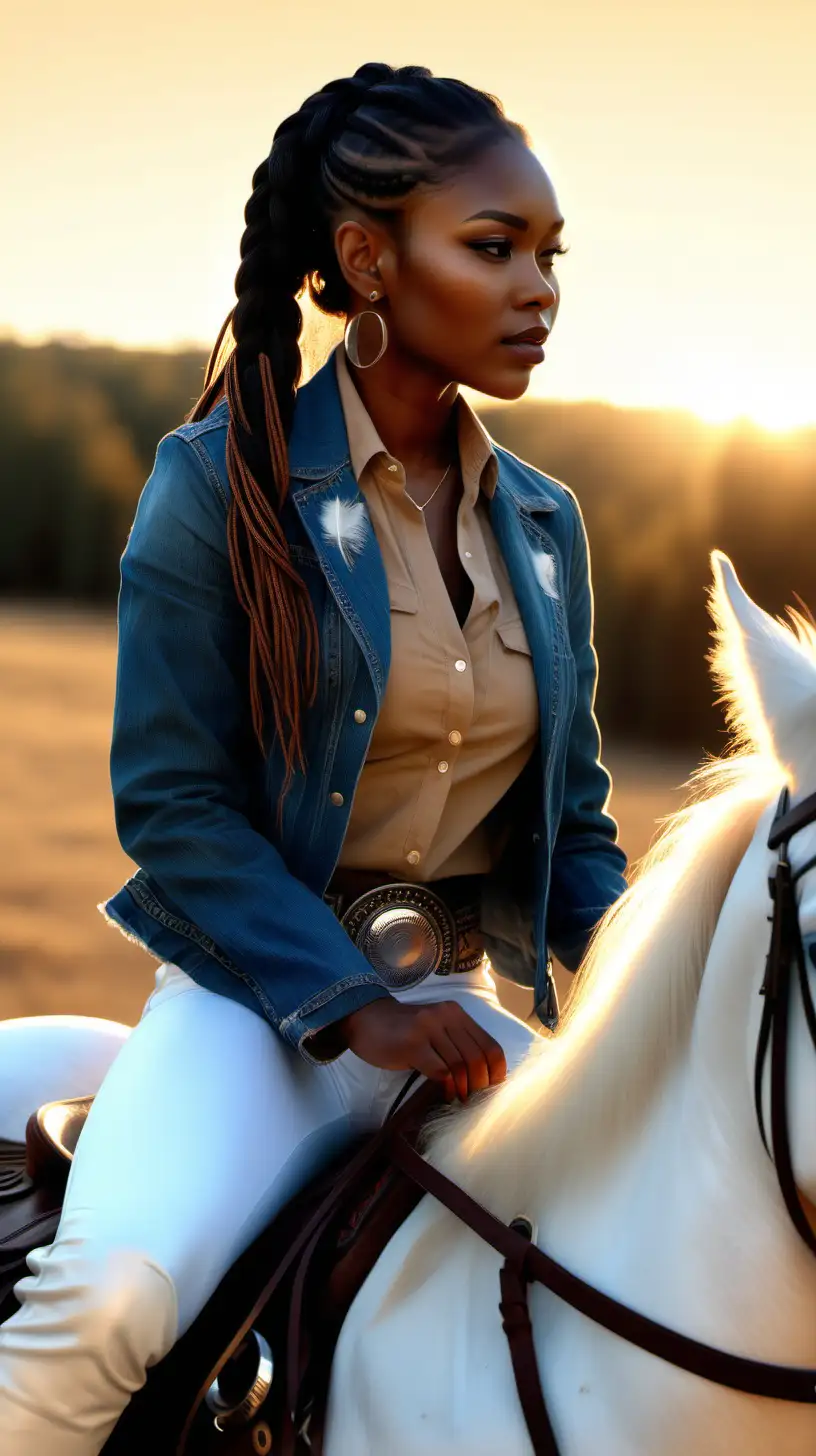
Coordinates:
406 932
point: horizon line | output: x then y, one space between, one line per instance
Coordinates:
76 339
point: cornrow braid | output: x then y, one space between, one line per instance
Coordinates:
368 139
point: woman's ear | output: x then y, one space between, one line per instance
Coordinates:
358 246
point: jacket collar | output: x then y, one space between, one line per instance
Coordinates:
319 447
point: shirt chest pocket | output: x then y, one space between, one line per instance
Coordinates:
512 636
402 597
512 689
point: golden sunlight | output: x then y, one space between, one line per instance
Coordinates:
779 403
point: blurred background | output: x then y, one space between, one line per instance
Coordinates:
678 398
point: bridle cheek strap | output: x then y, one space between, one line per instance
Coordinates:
788 821
786 949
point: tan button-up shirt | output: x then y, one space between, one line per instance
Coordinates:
459 716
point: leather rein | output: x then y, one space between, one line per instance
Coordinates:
524 1263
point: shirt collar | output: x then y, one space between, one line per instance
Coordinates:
477 456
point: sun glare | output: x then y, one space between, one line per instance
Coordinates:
788 407
778 397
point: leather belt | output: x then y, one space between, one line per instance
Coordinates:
409 930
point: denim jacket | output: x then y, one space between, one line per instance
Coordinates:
219 891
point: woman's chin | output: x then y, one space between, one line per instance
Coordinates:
510 384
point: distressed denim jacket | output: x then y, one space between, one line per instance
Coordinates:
218 890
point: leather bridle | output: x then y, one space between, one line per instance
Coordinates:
786 950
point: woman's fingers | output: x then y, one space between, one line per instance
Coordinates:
455 1057
465 1056
440 1039
492 1051
480 1049
433 1066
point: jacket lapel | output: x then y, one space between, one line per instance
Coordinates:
519 515
336 518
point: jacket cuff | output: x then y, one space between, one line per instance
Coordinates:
313 1028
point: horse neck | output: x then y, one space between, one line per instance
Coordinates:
689 1204
739 1178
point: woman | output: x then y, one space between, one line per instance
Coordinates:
355 679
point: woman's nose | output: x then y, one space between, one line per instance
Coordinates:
541 293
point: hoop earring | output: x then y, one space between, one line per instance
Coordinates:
352 342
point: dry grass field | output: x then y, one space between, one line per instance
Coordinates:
60 855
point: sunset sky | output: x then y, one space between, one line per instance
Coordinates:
680 136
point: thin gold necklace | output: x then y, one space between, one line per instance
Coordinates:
433 492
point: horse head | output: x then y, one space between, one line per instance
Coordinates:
766 671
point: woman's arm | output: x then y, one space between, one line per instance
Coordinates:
181 741
588 864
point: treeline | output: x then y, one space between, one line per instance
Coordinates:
659 489
79 426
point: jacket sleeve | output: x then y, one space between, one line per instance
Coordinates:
588 865
181 737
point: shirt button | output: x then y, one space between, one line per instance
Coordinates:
412 856
460 664
443 765
336 798
360 715
393 469
455 736
468 554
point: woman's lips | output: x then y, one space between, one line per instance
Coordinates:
525 351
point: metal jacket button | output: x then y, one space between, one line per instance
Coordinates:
336 798
360 715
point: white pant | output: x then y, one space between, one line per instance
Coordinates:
205 1124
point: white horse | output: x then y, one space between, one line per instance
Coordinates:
629 1138
631 1141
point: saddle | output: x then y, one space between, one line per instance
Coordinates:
33 1175
251 1374
267 1335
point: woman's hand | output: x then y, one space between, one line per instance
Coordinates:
439 1039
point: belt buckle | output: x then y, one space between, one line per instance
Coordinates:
405 932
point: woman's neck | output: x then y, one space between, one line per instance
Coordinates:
413 414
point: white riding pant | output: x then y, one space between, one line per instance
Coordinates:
204 1125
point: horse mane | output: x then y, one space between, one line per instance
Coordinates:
629 1017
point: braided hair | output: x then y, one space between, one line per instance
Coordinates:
368 139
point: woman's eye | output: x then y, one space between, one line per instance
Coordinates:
504 250
503 245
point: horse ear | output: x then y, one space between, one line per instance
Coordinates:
766 673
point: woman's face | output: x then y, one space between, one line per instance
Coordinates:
474 266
